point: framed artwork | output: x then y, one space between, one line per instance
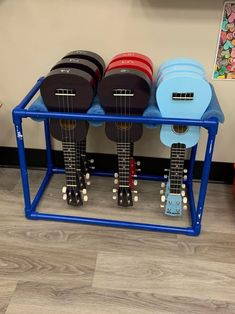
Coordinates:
224 68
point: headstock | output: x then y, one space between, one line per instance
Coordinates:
86 168
173 203
125 197
133 172
116 191
74 196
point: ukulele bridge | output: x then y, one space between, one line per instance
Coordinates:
182 96
123 93
65 92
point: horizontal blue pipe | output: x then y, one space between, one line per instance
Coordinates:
114 118
112 223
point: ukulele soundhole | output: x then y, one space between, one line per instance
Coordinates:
68 125
180 129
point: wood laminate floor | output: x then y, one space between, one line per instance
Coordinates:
62 268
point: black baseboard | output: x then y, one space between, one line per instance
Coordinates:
36 158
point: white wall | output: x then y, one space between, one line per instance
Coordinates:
35 34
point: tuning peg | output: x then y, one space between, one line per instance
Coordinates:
115 181
64 189
114 197
135 191
114 190
70 201
85 198
84 191
136 198
138 163
162 206
134 176
138 170
88 183
185 170
92 168
163 184
185 200
87 176
115 175
166 170
163 198
64 197
185 207
183 186
165 176
91 161
161 192
135 182
182 193
185 178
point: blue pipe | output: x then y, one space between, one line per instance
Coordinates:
112 223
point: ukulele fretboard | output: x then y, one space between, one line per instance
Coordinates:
177 167
69 152
123 151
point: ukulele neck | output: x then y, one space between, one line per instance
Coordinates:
123 152
177 167
69 152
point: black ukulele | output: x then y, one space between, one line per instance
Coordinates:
70 87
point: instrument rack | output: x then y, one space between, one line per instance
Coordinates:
196 210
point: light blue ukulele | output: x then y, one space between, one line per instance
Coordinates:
182 92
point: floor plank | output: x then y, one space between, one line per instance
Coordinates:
166 275
69 298
7 289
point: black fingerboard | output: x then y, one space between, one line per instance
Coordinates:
69 152
123 151
177 167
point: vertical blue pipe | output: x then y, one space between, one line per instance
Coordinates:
205 176
23 165
48 145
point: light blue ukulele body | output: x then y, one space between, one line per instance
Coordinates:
182 92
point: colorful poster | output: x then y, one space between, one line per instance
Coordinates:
224 68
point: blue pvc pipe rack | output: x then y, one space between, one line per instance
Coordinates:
196 210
